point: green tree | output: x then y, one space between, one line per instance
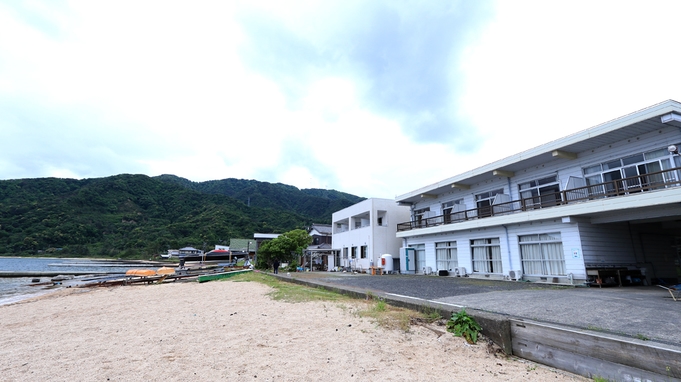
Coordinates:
285 248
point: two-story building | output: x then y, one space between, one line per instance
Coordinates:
602 206
319 255
366 230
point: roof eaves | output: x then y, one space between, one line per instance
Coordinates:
603 128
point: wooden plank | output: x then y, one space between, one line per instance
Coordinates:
219 276
653 357
584 365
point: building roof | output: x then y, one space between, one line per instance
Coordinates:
266 235
241 245
319 249
628 126
323 229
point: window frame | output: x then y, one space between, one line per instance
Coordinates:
449 250
486 256
547 249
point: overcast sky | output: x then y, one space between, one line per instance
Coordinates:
374 98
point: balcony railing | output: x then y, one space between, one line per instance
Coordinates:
619 187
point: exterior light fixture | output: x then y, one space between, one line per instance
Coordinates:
671 117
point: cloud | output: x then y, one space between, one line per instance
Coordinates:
43 140
543 70
407 67
373 98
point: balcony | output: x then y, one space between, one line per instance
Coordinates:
616 188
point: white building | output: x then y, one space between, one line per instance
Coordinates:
602 205
366 230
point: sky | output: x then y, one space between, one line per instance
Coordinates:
374 98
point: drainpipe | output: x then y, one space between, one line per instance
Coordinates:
508 248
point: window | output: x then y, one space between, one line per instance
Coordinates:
484 202
341 227
345 253
542 254
354 253
379 221
486 255
419 257
363 252
540 192
446 255
450 209
634 173
419 216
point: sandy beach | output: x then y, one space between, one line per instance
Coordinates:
230 331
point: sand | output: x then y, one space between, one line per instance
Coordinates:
230 331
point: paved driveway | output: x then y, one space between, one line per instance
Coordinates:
642 312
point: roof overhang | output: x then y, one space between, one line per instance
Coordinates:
654 204
644 121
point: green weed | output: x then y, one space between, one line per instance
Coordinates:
463 325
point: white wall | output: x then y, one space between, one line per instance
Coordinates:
509 245
378 239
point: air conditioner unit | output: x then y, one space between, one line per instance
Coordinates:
515 275
460 272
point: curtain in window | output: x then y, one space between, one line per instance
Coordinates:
532 259
555 260
480 261
442 255
543 259
496 259
669 176
446 255
486 255
453 258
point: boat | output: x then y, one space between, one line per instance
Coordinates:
141 272
165 271
216 254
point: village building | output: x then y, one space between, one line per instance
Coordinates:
601 206
365 231
319 255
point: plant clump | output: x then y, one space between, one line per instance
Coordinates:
463 325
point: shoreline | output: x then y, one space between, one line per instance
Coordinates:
17 298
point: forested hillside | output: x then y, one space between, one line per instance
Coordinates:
139 216
316 203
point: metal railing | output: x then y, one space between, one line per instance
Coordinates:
615 188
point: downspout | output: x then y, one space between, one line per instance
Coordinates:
508 245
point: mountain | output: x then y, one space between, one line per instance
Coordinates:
139 216
318 204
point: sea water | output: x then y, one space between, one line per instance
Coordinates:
14 289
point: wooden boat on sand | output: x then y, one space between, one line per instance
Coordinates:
141 272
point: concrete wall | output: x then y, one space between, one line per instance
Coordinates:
379 239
